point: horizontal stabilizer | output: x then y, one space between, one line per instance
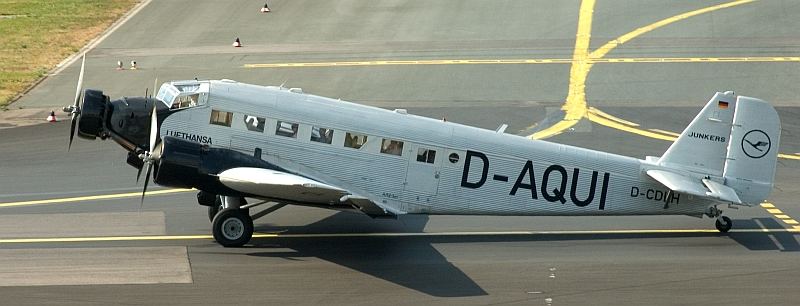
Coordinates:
722 192
697 187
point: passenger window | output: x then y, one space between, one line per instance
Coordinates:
355 141
392 147
322 135
254 123
286 129
221 118
426 155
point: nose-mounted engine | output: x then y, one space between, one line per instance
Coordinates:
92 116
126 120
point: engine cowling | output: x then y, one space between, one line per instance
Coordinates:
93 114
187 164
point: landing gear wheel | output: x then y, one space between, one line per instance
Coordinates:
213 210
232 227
724 224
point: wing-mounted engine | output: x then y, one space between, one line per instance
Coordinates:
187 164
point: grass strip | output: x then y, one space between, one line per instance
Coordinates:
35 35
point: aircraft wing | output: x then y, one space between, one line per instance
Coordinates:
286 186
698 187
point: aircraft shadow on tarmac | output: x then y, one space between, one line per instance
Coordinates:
414 262
771 241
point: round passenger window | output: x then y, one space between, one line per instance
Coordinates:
453 158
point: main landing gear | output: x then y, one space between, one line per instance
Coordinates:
231 222
723 223
232 227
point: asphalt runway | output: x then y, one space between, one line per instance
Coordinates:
72 231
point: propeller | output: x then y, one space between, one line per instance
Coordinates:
74 109
139 172
150 157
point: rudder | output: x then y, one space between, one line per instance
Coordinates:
753 149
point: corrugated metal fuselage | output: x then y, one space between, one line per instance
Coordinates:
474 171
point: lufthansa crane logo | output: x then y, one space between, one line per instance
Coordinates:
756 144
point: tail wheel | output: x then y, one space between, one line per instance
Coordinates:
724 224
232 227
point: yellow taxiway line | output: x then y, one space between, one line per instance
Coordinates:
607 47
575 105
93 198
780 215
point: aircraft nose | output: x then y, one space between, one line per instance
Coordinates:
130 120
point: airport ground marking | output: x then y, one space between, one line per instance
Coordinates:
575 105
92 198
610 45
780 215
603 118
368 235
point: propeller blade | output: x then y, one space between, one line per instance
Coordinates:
155 84
74 109
72 123
153 128
80 83
146 179
139 174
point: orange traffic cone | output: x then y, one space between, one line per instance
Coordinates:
265 9
237 43
52 117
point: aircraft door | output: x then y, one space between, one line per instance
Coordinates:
422 176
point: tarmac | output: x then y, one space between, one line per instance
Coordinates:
72 231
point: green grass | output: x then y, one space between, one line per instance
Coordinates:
35 35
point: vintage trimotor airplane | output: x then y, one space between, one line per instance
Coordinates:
233 141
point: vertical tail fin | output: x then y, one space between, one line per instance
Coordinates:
753 150
703 145
734 138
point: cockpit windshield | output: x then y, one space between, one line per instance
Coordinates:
183 94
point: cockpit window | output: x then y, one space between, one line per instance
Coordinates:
167 93
188 87
182 94
185 101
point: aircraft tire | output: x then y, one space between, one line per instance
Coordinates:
724 224
232 227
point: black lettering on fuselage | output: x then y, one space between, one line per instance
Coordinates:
531 185
484 171
606 177
192 137
574 188
553 182
558 193
664 196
